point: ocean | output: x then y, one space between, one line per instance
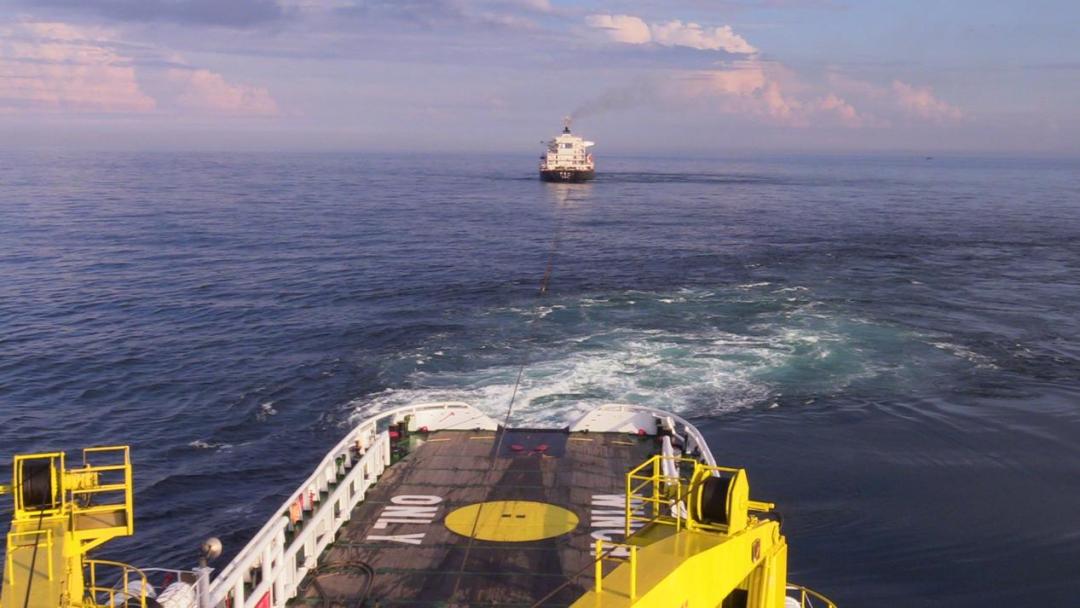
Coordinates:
889 344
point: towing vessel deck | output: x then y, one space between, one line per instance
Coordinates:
434 505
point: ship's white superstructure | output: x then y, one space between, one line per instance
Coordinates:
567 158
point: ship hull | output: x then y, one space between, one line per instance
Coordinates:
566 175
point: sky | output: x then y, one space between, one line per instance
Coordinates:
648 76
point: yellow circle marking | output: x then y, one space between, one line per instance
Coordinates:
511 521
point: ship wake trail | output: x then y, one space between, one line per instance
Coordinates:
687 350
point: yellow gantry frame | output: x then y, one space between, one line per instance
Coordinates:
647 485
673 559
48 543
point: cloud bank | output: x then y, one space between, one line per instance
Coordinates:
366 70
61 68
56 67
206 91
921 102
628 29
771 94
765 91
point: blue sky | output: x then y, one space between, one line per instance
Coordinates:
676 76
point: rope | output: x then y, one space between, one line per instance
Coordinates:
545 282
352 566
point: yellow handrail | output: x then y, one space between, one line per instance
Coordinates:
600 557
674 492
657 499
122 486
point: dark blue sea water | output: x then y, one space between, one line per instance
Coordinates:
890 345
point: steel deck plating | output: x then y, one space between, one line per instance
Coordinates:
417 561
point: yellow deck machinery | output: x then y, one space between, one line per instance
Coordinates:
694 538
60 515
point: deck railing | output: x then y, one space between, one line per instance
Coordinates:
13 545
267 572
627 553
808 598
121 585
610 416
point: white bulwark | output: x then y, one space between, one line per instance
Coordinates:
567 158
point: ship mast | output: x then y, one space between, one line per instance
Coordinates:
566 124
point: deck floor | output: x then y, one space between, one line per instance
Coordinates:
398 529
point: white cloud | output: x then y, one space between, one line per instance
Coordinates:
921 102
205 91
51 66
621 28
629 29
58 67
772 94
745 88
767 90
760 91
842 110
692 35
899 98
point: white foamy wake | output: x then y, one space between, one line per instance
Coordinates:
698 353
976 359
265 411
701 375
199 444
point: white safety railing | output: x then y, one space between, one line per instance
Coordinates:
269 569
626 417
807 598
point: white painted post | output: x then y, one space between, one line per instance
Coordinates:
203 573
266 556
238 592
278 583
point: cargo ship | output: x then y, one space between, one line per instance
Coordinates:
433 504
567 158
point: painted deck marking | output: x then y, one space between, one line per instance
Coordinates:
607 520
416 509
409 539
